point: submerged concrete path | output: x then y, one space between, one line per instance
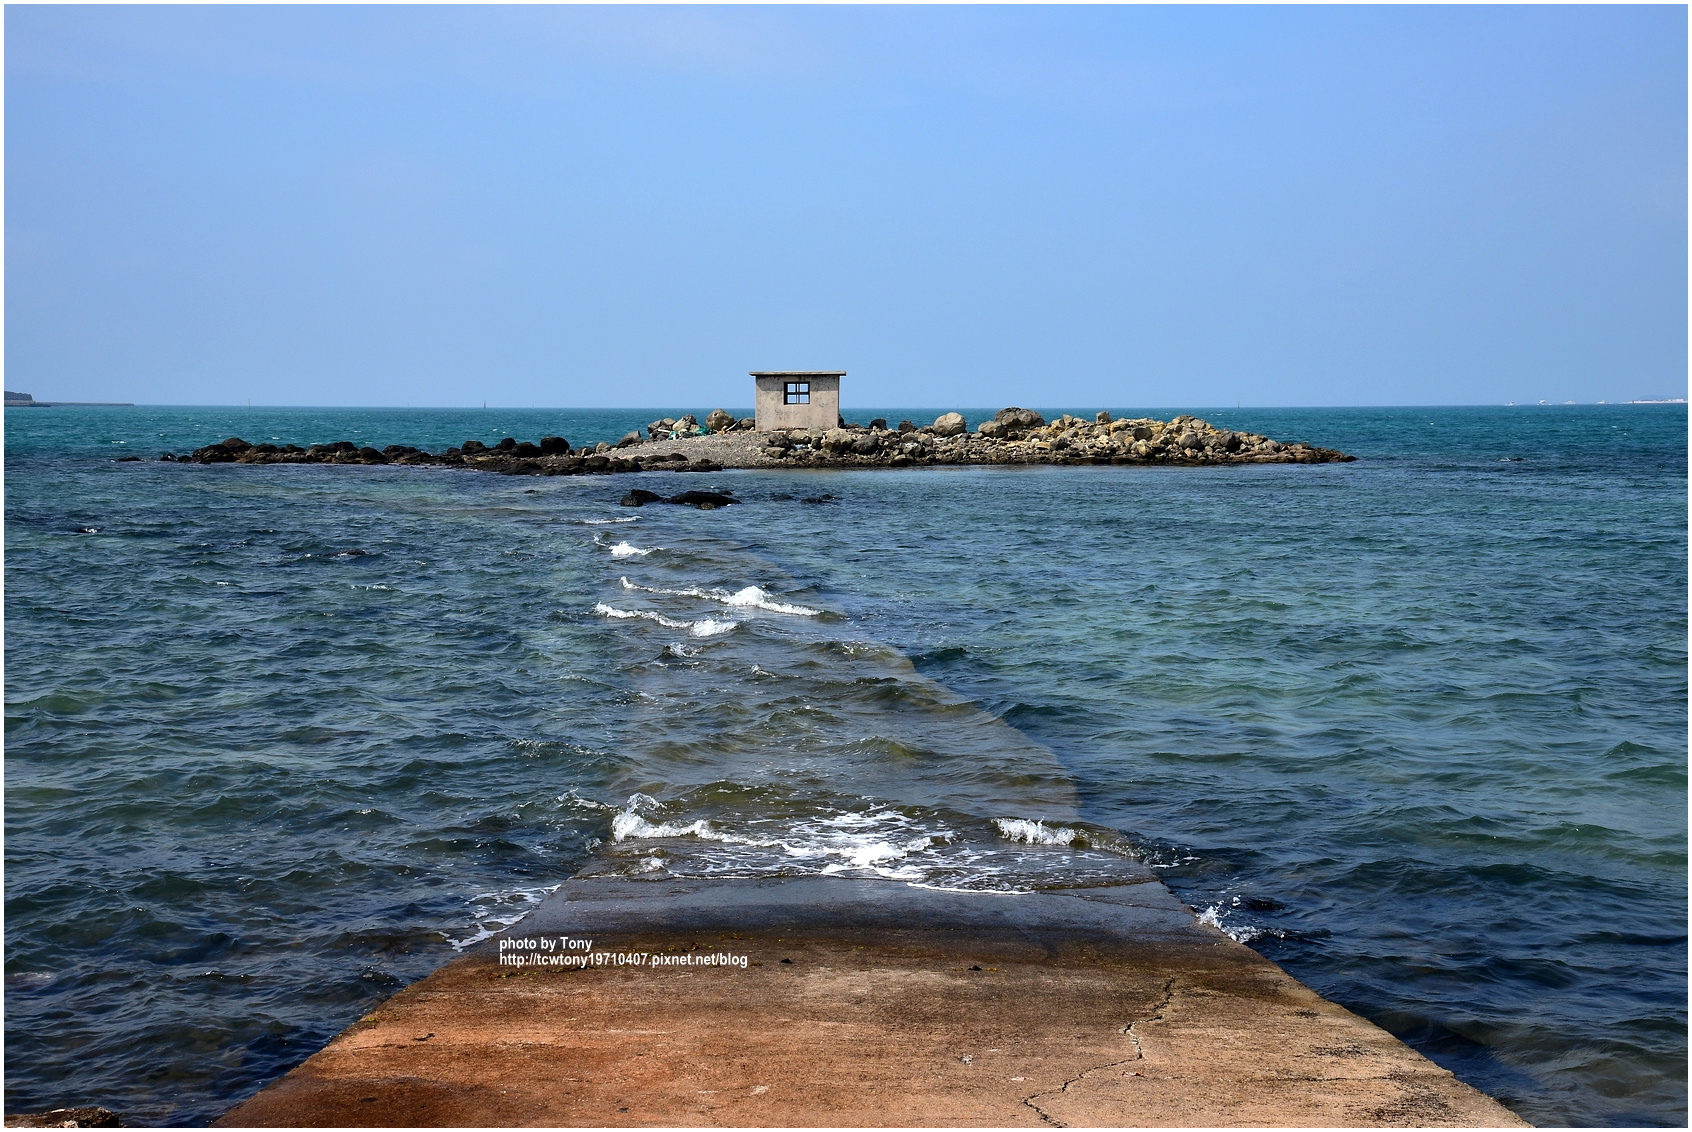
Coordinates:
864 1002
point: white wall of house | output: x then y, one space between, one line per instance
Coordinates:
797 399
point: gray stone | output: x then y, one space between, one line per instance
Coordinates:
950 424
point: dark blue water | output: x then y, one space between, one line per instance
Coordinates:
1414 727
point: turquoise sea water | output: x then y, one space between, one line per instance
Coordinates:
1414 727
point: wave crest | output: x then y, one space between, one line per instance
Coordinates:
751 597
1039 833
704 627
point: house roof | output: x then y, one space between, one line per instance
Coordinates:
797 372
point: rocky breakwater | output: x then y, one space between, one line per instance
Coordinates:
1022 436
552 456
1012 436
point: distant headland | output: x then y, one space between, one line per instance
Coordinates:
25 401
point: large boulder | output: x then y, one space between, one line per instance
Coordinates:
991 429
719 420
1019 420
838 439
554 446
866 445
949 424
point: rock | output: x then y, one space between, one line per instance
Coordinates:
526 450
746 424
719 420
837 439
991 429
907 426
507 444
90 1117
774 451
1142 432
702 499
473 446
596 463
372 455
127 459
554 446
235 444
1019 420
1102 417
879 422
949 424
866 446
629 438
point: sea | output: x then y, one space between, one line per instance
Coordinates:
281 740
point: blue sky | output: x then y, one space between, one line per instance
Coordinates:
633 206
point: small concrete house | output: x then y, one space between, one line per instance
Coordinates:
797 398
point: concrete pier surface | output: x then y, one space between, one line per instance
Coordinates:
827 1001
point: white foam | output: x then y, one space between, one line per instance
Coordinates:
629 550
491 918
704 627
833 843
1038 832
1245 933
606 522
752 597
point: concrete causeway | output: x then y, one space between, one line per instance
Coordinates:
830 1001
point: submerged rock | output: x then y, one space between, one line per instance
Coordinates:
704 500
89 1117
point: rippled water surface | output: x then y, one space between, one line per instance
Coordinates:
278 739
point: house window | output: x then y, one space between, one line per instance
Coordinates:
798 393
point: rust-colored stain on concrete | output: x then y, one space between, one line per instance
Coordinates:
855 1008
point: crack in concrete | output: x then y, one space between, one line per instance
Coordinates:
1156 1016
1139 1055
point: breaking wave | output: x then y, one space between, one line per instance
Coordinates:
1039 833
704 627
751 597
879 842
